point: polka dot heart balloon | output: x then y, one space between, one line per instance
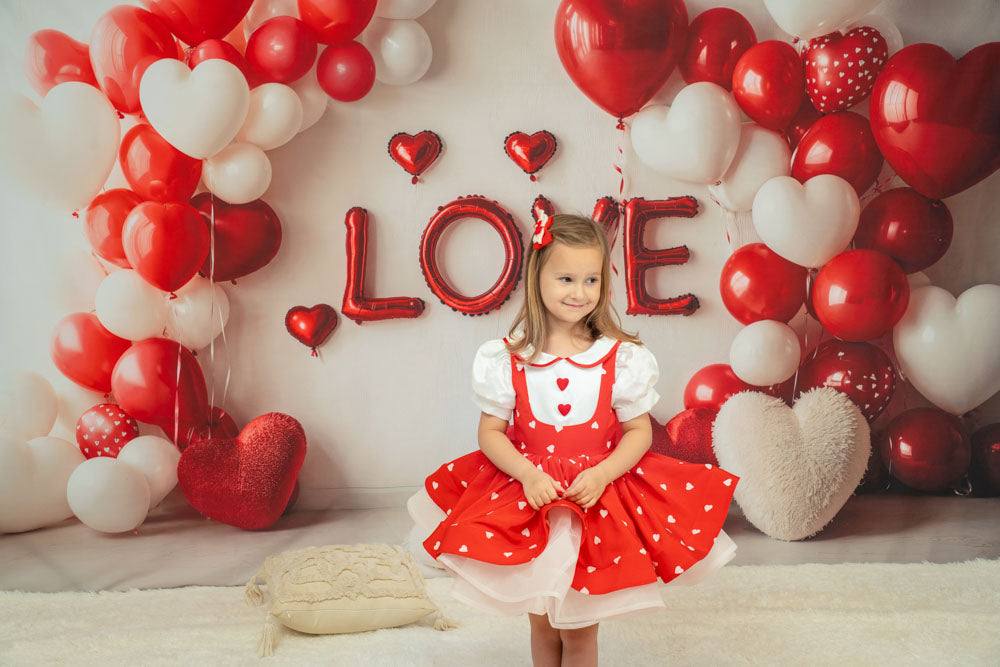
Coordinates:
841 68
104 429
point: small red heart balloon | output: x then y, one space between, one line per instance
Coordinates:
768 83
104 429
841 68
860 370
53 57
902 223
530 152
311 326
85 352
156 170
104 220
247 236
165 243
840 144
415 153
716 39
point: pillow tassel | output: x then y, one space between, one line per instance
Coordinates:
265 647
254 596
442 622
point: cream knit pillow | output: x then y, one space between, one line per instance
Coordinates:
341 588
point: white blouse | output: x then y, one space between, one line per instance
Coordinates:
633 393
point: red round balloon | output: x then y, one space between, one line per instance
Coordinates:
801 122
860 295
104 220
156 170
85 352
53 57
346 72
165 243
247 236
902 223
282 49
984 471
620 53
125 41
860 370
716 40
927 449
840 144
194 21
758 284
712 386
217 48
937 120
768 83
337 21
104 429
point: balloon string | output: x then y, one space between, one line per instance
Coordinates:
177 396
620 161
211 312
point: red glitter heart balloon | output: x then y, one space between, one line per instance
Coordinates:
690 436
415 153
530 152
104 429
311 326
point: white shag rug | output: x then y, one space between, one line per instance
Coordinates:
847 614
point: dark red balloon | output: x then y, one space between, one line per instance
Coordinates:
801 122
712 386
346 72
768 83
156 170
902 223
840 144
984 471
166 244
927 449
194 21
247 236
281 49
85 352
125 41
716 40
217 48
104 220
758 284
311 326
53 57
860 295
620 53
876 477
336 21
860 370
937 120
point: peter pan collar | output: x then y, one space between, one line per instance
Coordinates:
592 356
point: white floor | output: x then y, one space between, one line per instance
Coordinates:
176 546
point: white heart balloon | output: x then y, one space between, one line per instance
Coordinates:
806 223
401 49
129 307
198 314
62 152
694 139
947 347
402 9
28 405
33 478
274 117
806 19
312 97
765 352
108 495
762 154
197 111
238 174
156 458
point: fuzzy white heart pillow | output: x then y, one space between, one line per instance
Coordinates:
797 466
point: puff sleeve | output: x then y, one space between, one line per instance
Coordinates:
492 387
636 374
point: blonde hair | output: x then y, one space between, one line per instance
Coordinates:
575 231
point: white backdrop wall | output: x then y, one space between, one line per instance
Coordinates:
389 401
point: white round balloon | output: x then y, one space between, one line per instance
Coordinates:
274 117
401 50
129 307
312 97
108 495
764 353
762 154
198 314
157 459
239 174
33 478
28 405
402 9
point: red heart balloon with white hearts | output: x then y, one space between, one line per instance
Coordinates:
311 326
245 481
104 429
247 236
530 152
841 68
415 153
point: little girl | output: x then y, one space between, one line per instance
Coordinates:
564 514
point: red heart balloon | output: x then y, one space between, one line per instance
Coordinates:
165 243
712 386
530 152
53 57
247 481
860 370
194 21
620 53
926 449
336 21
104 429
716 40
247 236
103 222
937 120
768 82
415 153
156 170
860 295
311 326
841 68
85 352
758 284
902 223
217 48
840 144
690 436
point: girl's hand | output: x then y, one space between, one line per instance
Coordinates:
540 489
588 486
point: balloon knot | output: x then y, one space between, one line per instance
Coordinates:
532 178
795 40
172 296
233 281
75 214
414 180
121 116
621 124
314 353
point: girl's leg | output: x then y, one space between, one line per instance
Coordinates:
546 648
579 647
